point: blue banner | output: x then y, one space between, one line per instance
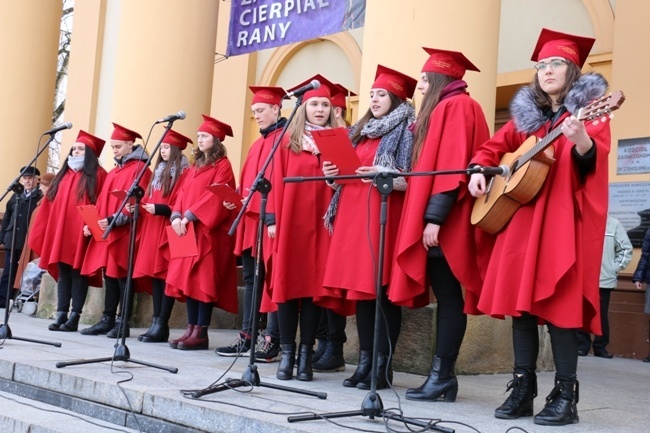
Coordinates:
260 24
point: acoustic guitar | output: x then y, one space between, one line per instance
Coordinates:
528 168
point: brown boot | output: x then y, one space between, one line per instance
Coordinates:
197 341
174 343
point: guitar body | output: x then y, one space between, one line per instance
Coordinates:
505 195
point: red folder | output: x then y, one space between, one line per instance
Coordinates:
91 218
336 147
182 246
226 193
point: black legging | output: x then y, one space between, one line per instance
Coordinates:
451 321
115 288
392 318
525 339
248 275
294 310
162 304
198 313
70 286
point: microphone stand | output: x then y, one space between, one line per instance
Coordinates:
372 406
17 188
251 376
121 350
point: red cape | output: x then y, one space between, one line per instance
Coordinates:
546 261
57 233
112 254
350 270
301 242
211 276
457 127
152 259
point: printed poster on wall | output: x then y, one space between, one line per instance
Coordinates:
629 202
633 156
260 24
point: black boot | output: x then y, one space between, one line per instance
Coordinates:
114 333
304 370
287 361
384 370
72 324
332 360
441 382
157 333
105 324
363 369
520 401
60 319
320 351
561 404
154 320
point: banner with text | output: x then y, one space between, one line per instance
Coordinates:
260 24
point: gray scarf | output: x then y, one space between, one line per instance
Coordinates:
395 150
156 183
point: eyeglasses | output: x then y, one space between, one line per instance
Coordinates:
554 64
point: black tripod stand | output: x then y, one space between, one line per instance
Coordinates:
372 406
121 350
251 376
17 188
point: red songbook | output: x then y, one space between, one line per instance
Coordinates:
336 147
91 218
182 246
226 193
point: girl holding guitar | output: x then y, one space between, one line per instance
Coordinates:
545 264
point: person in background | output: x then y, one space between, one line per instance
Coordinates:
28 253
300 242
617 253
111 255
436 243
153 256
641 276
208 279
265 106
545 263
19 207
383 142
58 237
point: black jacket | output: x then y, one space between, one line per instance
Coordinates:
642 273
25 207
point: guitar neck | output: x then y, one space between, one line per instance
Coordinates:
539 146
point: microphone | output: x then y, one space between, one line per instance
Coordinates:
178 116
314 84
66 125
502 170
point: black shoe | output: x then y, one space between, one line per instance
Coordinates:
320 350
240 347
582 352
520 401
105 324
561 404
72 324
603 354
441 382
287 361
61 318
268 350
332 360
304 369
646 359
114 333
384 373
157 333
363 369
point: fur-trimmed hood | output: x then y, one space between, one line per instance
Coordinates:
528 117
